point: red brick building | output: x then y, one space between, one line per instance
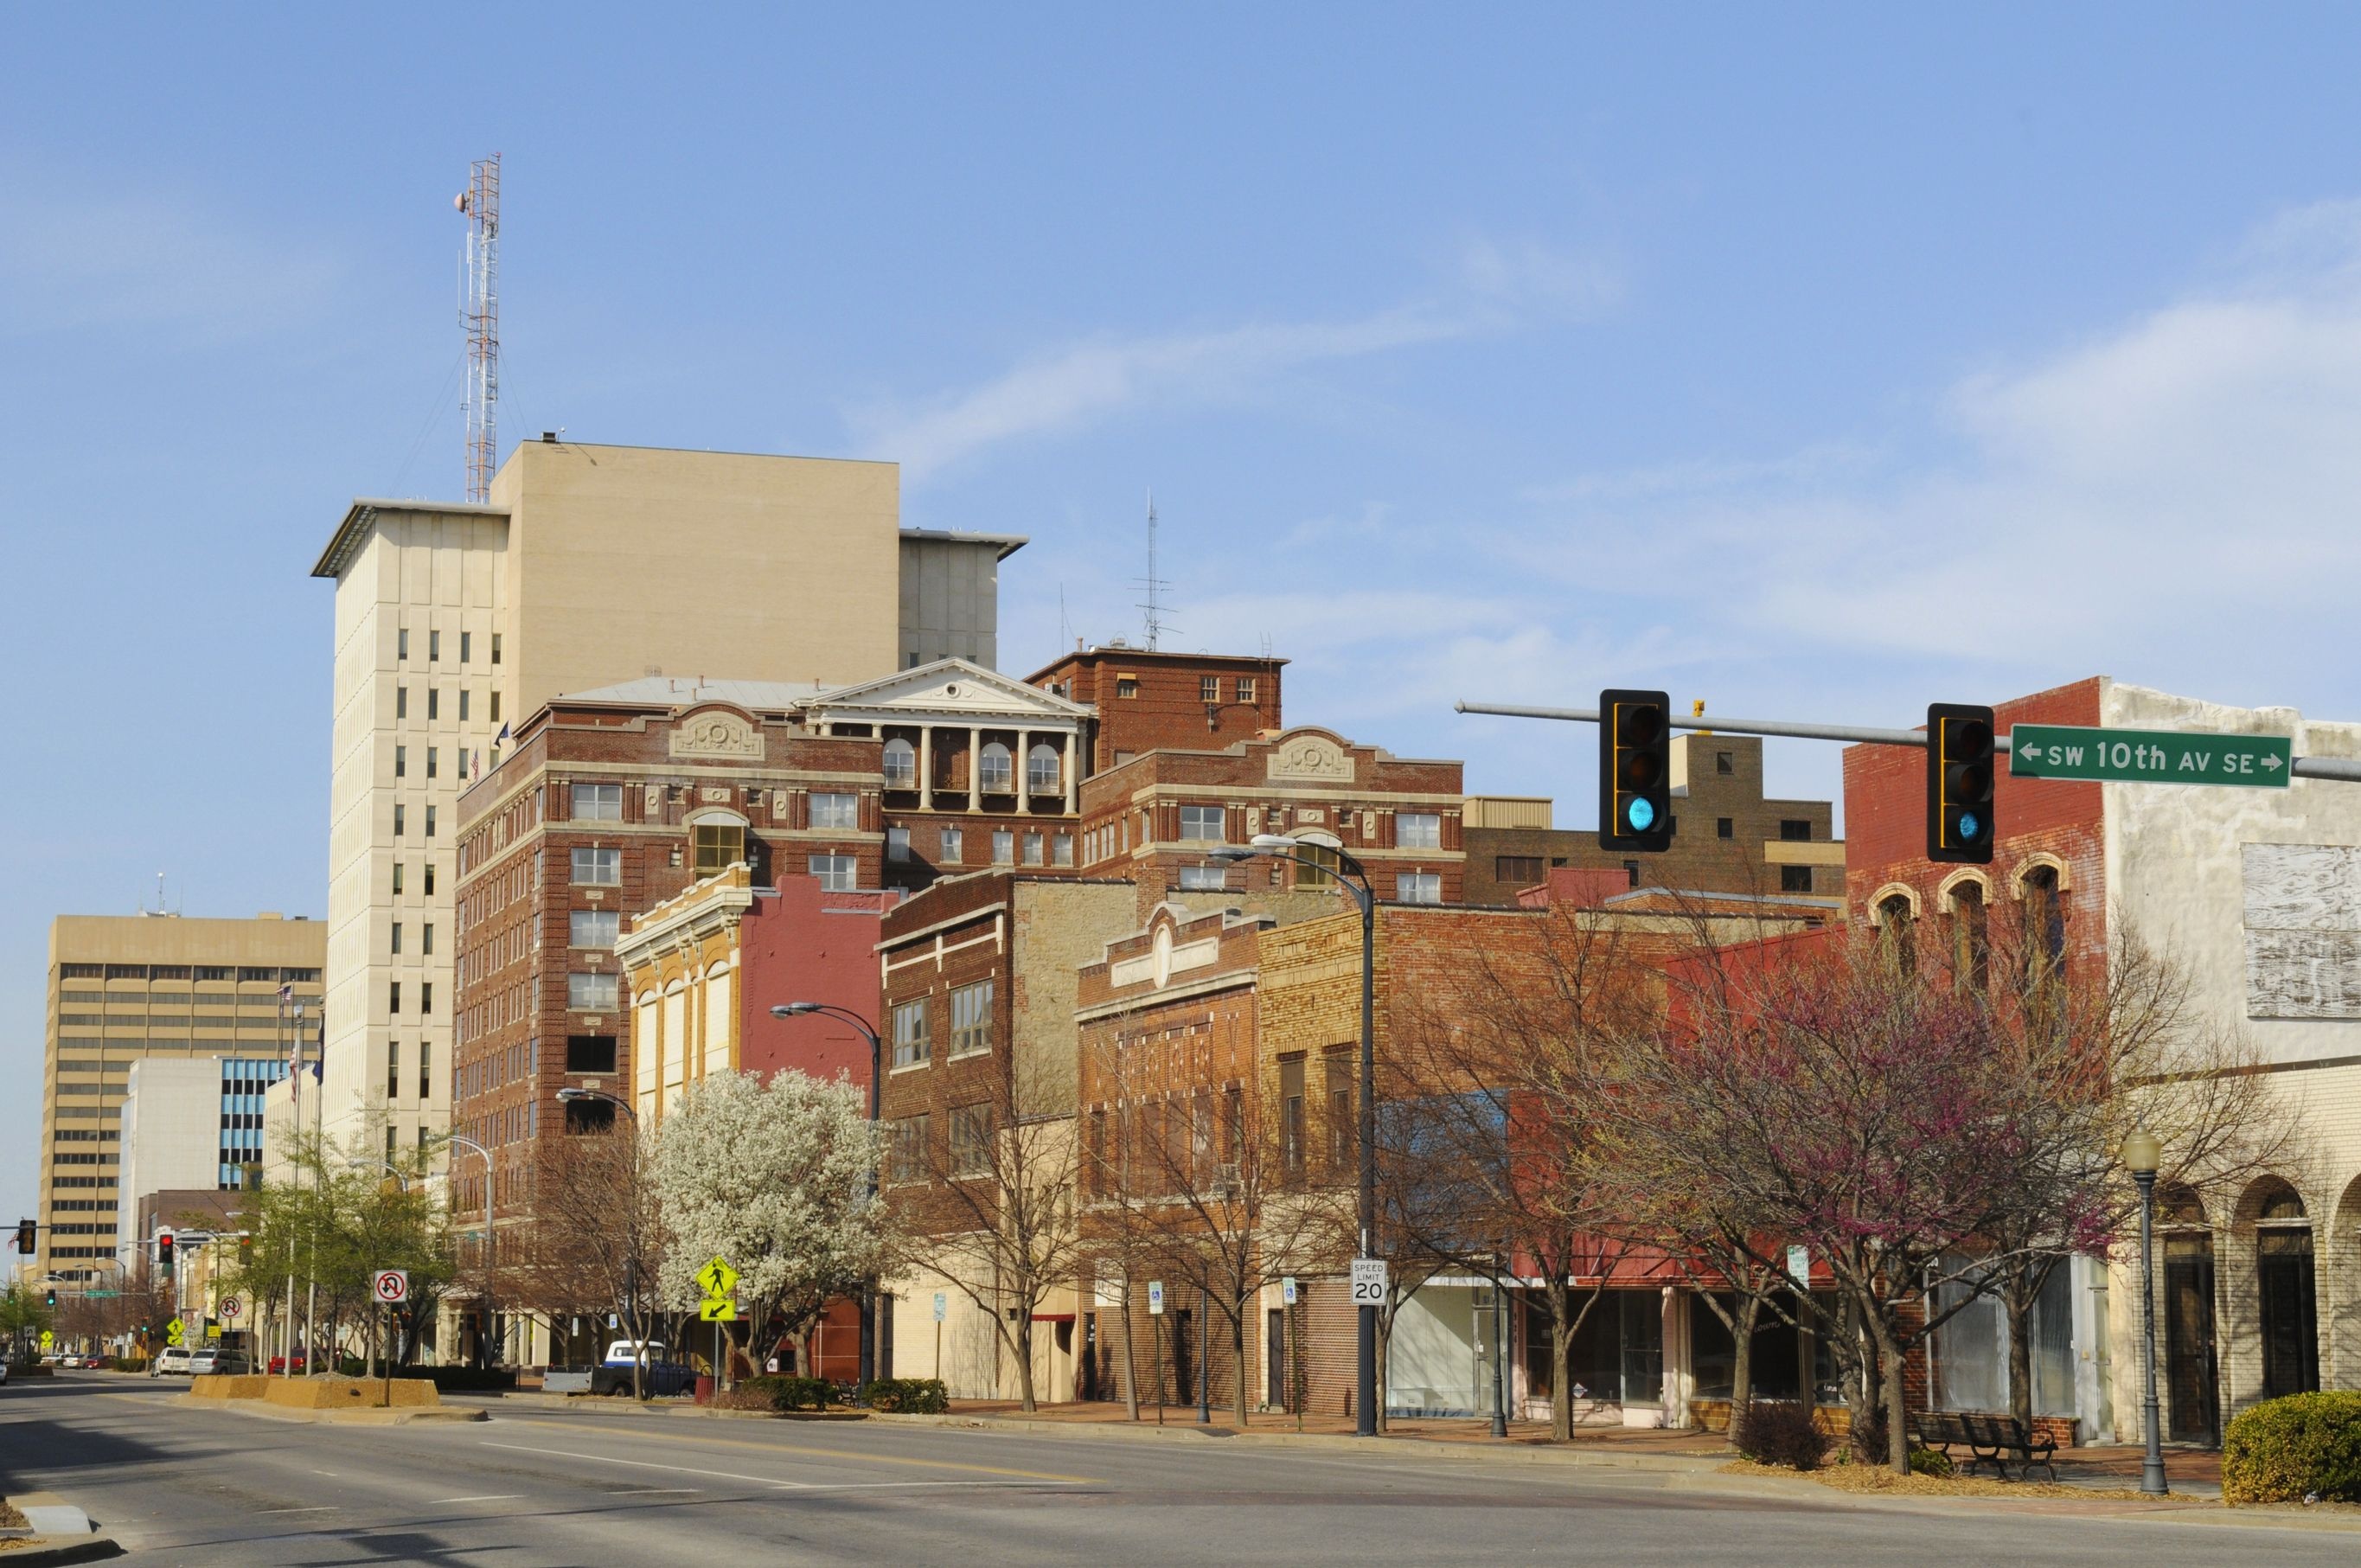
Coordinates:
1146 700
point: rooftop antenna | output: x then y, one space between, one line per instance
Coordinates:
1152 609
479 315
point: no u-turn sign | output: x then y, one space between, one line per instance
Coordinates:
391 1285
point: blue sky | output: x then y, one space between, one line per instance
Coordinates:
1811 361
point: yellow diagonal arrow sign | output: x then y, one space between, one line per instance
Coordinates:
717 1310
717 1277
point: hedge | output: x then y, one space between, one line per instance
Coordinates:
907 1395
786 1393
2283 1449
463 1379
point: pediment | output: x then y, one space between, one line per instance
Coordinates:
948 686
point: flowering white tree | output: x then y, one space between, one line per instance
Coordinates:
777 1179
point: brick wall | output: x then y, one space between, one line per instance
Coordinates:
1146 701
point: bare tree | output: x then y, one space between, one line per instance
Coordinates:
596 1241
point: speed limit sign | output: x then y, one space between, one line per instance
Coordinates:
391 1285
1369 1276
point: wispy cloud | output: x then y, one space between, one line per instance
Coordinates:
1070 388
72 261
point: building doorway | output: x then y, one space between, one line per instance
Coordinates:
2190 1371
1274 1345
2285 1281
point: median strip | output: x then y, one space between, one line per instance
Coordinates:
855 1455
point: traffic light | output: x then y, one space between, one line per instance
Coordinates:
53 1299
1635 764
26 1230
244 1250
164 1253
1961 825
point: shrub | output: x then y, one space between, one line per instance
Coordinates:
907 1395
1930 1461
462 1379
131 1364
786 1393
1868 1436
1782 1431
2282 1450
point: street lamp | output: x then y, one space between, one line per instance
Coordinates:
2142 1155
870 1328
1277 847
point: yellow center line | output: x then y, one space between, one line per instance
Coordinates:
576 1428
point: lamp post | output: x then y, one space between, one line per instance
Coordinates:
867 1371
2142 1155
1351 876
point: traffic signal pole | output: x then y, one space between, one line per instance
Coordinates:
2343 769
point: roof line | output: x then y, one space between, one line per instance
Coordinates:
345 541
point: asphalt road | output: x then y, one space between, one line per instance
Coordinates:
550 1488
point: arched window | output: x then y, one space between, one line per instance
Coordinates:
994 775
2044 907
1896 935
1042 774
1970 938
2289 1291
901 765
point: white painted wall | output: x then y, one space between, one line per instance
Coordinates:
171 1136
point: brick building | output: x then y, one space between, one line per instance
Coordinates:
1144 699
977 984
1156 818
2250 894
1730 837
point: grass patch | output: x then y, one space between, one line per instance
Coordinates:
1876 1479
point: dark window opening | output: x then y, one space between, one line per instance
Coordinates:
589 1053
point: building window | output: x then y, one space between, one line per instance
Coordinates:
1724 828
397 878
1127 685
430 760
1042 773
592 927
2045 926
716 845
598 803
597 868
401 702
393 1069
1035 851
462 708
908 1160
1209 689
1795 878
1061 849
1291 1114
591 992
1418 830
897 844
401 761
395 945
433 702
1971 942
433 646
1896 933
1203 825
1245 688
901 765
429 875
496 699
393 998
1418 887
1631 872
430 822
996 773
401 642
837 874
1204 879
589 1053
971 1148
1341 1140
1316 865
496 656
1794 831
1722 762
1517 870
971 1019
400 817
835 811
425 997
425 1072
910 1033
1003 847
952 843
426 939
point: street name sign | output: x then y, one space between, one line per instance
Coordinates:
717 1310
391 1285
717 1277
2149 756
1368 1282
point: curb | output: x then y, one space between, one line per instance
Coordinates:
49 1550
68 1537
259 1410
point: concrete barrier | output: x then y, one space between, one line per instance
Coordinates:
239 1386
347 1393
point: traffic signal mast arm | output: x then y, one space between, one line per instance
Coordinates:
2345 769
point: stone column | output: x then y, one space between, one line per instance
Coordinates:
1073 776
974 770
927 767
1024 780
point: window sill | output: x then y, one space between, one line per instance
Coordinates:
967 1056
906 1066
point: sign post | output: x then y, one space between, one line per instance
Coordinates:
2149 756
390 1287
717 1280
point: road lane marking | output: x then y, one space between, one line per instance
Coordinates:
831 1453
487 1498
323 1508
644 1465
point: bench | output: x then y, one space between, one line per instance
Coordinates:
1989 1439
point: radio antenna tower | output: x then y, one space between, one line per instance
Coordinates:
480 314
1152 607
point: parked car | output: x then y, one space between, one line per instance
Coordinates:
279 1363
657 1375
170 1360
222 1363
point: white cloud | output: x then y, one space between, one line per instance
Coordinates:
1070 388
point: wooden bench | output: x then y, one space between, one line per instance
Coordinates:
1989 1439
